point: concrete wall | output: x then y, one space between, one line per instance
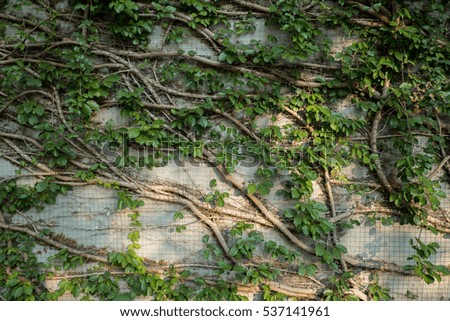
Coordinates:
89 215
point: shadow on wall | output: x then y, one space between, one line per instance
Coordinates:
391 243
89 216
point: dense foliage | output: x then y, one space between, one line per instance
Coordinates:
63 64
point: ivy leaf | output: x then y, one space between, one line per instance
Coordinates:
398 55
12 282
417 220
185 274
17 292
234 251
320 250
61 161
34 82
134 132
80 6
203 122
180 228
178 215
442 269
39 110
251 188
191 121
33 120
301 271
294 193
220 202
110 80
41 186
120 161
222 56
22 118
311 269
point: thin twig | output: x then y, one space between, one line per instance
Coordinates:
367 184
441 164
299 118
333 213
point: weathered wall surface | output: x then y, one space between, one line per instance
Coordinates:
89 216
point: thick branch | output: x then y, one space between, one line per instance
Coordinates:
299 118
373 145
371 11
25 21
53 243
252 5
199 214
151 83
205 61
373 142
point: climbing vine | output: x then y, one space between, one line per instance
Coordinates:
291 106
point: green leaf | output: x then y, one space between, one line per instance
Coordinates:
341 248
185 274
398 55
80 6
442 269
93 106
320 250
234 251
22 118
118 7
121 204
12 282
110 80
39 110
134 132
202 121
230 59
178 215
41 186
417 220
251 188
222 56
220 202
33 120
301 271
191 121
61 161
311 269
17 292
34 82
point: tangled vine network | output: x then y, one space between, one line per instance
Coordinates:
99 92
